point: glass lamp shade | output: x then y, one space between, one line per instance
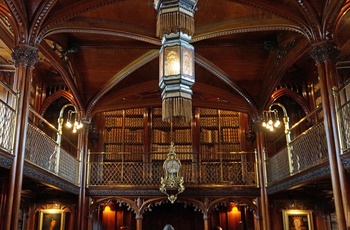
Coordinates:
176 63
176 77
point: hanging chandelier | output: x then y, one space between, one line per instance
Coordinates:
175 26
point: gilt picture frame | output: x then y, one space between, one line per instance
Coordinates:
295 219
51 219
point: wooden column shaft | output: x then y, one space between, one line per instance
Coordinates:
24 58
324 54
264 202
139 223
24 80
83 203
206 223
344 179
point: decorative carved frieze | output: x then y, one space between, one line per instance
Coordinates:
300 179
5 161
50 179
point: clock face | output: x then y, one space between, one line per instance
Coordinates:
172 166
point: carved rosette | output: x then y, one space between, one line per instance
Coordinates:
26 55
324 52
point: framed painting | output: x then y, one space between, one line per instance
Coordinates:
51 219
297 220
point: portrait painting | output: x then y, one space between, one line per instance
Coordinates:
297 220
51 220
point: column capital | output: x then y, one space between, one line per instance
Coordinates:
25 54
324 51
139 217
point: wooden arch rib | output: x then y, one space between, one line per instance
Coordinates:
39 18
75 9
60 93
139 206
277 74
283 13
6 36
291 94
139 62
206 64
133 206
250 205
334 12
341 16
245 29
99 29
21 23
57 63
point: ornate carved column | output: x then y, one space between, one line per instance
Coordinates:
263 203
325 55
24 57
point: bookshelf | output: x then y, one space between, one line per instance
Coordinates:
219 131
124 133
162 134
136 131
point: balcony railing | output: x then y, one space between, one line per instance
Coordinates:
8 103
146 169
40 146
310 148
307 149
41 150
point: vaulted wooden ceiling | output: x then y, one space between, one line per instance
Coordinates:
106 51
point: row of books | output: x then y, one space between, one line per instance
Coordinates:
227 148
117 148
223 121
179 156
123 157
165 148
230 135
178 136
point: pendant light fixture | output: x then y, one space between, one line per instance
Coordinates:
175 26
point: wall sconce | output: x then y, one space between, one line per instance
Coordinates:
175 25
55 156
271 120
77 124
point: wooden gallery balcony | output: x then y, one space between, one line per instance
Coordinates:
218 163
144 170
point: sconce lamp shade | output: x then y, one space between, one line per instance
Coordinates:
176 58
